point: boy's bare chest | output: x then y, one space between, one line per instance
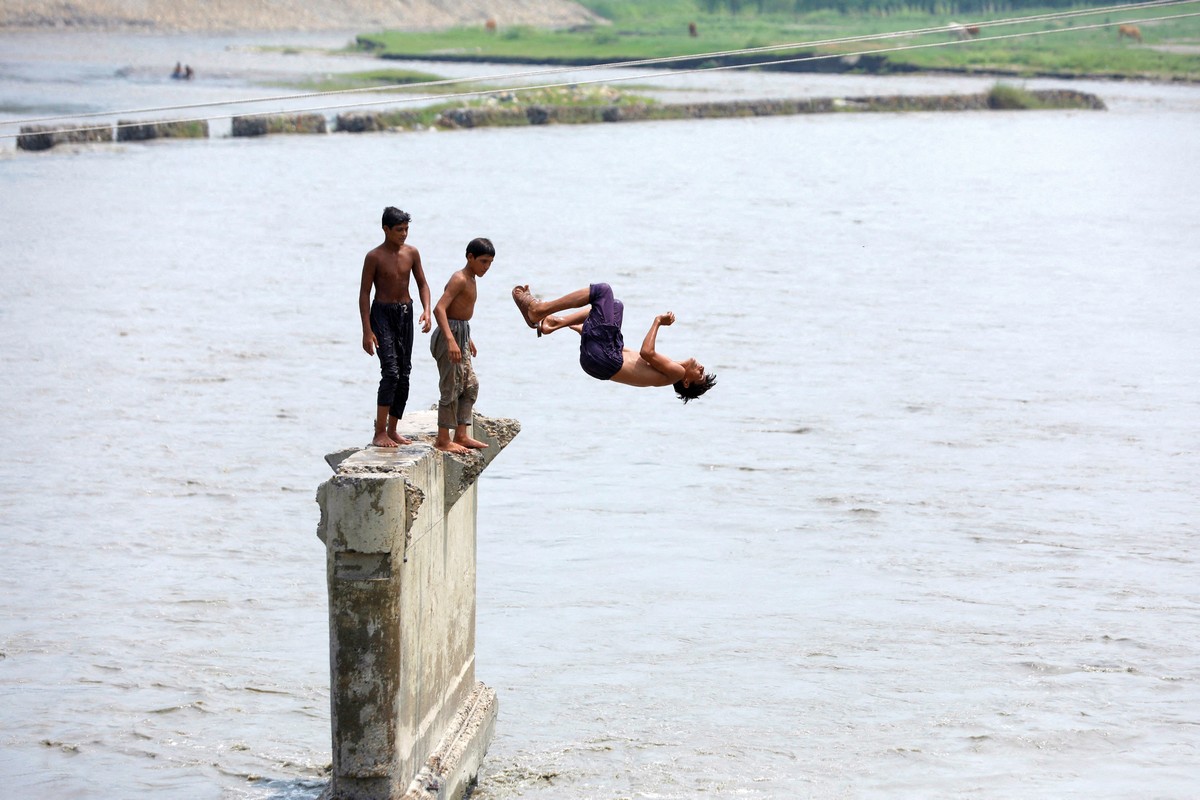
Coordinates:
396 266
463 304
391 277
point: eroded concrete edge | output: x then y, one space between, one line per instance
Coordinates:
454 764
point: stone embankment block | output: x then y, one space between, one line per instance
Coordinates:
363 122
261 125
41 137
128 131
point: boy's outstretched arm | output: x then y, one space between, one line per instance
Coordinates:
655 359
422 291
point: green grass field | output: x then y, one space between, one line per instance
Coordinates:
1170 49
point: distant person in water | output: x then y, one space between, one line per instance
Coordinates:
387 321
602 351
453 348
178 73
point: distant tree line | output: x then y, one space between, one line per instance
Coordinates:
886 6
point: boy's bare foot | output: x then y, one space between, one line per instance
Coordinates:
467 441
383 440
398 439
449 447
549 325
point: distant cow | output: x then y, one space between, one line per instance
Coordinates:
692 30
963 32
490 25
1130 31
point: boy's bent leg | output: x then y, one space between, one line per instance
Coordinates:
535 310
551 323
576 299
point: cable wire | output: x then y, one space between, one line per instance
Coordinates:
948 28
619 78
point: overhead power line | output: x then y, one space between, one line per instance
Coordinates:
949 28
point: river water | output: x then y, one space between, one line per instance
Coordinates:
932 535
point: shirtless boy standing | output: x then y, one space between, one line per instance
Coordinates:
453 348
602 350
387 322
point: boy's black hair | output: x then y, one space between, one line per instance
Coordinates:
481 247
696 389
393 216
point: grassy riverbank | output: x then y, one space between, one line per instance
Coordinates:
657 28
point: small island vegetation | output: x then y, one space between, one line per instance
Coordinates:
384 79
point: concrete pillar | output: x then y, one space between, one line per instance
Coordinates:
409 720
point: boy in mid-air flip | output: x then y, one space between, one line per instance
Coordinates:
602 351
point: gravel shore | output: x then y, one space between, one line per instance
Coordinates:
164 16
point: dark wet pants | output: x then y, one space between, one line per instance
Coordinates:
601 347
392 324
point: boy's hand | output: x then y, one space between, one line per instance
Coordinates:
454 351
665 319
370 343
474 352
425 321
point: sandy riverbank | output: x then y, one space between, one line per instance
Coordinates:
164 16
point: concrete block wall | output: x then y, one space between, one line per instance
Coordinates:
42 137
409 719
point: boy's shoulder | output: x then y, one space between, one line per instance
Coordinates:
459 281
